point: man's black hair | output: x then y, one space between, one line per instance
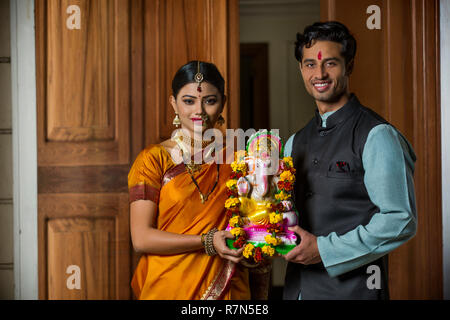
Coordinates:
328 31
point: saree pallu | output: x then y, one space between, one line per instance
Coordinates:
193 275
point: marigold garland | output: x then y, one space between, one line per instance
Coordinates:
283 193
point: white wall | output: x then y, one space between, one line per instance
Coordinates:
24 134
291 107
445 137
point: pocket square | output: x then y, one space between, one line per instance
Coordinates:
342 166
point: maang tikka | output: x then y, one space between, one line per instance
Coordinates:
198 77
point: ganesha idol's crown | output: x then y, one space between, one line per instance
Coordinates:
259 205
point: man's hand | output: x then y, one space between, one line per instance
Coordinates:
307 251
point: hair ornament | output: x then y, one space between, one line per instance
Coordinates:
198 77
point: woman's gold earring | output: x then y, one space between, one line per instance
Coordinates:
221 120
176 121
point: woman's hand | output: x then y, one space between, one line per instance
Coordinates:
219 242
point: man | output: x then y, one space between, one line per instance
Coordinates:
354 183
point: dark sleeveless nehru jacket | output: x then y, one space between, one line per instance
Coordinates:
330 196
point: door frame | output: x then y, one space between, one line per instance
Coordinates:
24 136
445 140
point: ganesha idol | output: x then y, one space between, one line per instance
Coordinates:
260 206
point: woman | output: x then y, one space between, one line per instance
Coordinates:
177 206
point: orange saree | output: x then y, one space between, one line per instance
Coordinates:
188 276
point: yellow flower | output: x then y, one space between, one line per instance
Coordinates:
231 202
237 232
231 184
282 196
239 166
287 176
272 240
288 161
275 218
248 250
236 220
268 250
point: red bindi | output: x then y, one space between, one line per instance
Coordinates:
319 56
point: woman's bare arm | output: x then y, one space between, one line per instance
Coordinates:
146 238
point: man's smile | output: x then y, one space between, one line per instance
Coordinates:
322 86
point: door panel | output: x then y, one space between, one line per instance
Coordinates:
91 252
84 109
397 75
90 115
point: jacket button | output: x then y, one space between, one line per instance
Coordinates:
315 161
309 194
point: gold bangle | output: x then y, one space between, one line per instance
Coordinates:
209 243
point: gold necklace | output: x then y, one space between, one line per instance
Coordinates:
204 197
191 168
194 142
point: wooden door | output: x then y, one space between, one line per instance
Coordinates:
102 95
397 75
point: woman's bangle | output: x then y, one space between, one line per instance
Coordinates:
209 242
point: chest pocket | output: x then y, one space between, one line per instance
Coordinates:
341 169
